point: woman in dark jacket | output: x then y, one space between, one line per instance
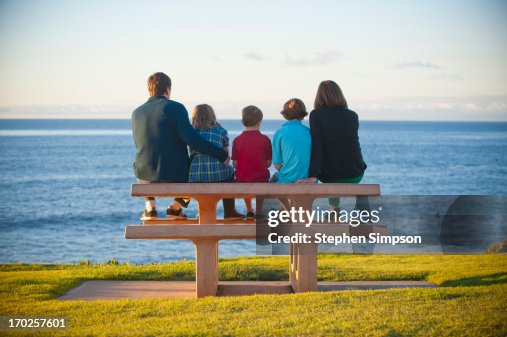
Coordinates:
336 153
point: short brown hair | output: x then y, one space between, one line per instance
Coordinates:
158 83
329 95
294 108
251 115
203 117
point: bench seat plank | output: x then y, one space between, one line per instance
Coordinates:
228 232
191 232
193 221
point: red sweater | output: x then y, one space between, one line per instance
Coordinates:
251 150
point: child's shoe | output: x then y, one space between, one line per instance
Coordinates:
175 214
250 215
151 215
230 212
234 216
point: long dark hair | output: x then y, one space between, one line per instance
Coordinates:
329 95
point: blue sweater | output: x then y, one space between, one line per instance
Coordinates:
162 131
292 145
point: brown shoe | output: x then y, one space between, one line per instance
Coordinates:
230 210
250 215
151 215
234 216
175 214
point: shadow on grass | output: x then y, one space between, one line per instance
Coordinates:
482 280
34 267
63 286
334 273
253 273
156 275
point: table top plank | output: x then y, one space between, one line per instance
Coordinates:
242 190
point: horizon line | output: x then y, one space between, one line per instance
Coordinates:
267 119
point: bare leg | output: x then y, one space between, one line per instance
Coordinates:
150 204
285 204
175 205
248 204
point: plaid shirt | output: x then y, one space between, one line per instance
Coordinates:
205 168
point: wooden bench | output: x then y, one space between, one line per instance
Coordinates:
207 230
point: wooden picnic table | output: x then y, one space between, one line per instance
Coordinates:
206 231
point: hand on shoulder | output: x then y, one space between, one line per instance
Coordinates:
311 180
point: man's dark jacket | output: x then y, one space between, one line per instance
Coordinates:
162 132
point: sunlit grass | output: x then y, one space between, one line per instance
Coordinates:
471 300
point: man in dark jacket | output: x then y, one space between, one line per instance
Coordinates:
162 132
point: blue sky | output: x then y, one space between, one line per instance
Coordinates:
405 60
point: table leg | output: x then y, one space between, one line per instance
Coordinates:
303 257
207 210
293 276
206 251
206 267
303 269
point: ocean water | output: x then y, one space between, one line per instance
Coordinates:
65 184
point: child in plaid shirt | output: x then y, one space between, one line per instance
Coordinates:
204 168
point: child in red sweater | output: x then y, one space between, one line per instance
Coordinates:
251 153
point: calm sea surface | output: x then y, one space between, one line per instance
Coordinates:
65 184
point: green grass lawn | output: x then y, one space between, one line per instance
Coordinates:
471 301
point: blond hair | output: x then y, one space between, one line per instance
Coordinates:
203 117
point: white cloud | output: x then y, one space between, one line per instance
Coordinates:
496 106
447 76
254 56
323 58
416 64
95 111
479 108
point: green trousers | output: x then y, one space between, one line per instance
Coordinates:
335 202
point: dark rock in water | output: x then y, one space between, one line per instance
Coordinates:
496 248
470 223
